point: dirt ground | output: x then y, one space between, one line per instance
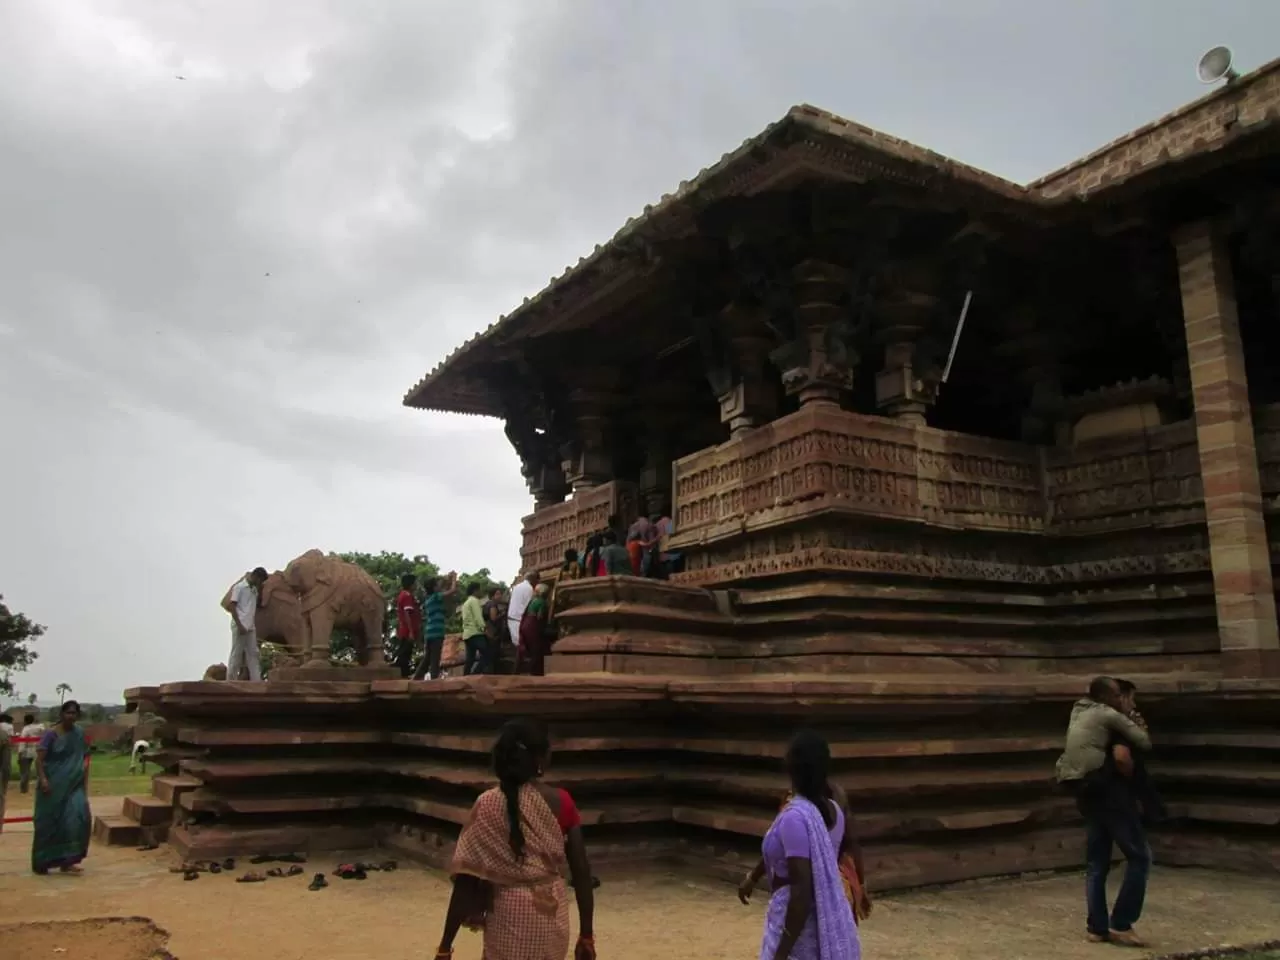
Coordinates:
649 916
108 939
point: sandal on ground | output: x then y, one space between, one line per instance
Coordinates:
148 846
294 871
190 874
388 865
251 877
318 882
229 863
275 872
215 868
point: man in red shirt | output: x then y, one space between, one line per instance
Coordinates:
408 625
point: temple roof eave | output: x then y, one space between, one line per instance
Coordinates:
811 141
832 143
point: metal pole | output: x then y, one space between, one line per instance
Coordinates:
955 341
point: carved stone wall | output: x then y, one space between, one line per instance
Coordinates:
857 544
834 462
549 532
824 459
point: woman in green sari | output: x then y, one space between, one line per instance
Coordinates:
62 823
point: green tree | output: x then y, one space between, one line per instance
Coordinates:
387 568
17 632
62 690
267 654
31 699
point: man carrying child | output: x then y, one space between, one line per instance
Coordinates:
1097 768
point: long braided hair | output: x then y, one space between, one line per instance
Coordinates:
809 764
518 755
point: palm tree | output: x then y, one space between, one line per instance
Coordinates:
31 699
62 690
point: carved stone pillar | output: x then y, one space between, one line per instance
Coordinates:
1042 422
1034 346
750 400
817 367
655 481
548 485
907 385
587 459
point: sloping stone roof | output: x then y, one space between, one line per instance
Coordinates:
816 139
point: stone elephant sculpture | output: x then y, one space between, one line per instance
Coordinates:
334 593
279 618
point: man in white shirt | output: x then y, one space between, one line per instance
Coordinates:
241 601
31 727
139 756
521 596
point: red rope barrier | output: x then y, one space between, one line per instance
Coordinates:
88 757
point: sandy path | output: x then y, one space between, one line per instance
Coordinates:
396 916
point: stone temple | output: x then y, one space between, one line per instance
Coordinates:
928 569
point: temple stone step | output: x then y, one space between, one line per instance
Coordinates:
206 801
942 779
169 786
1259 812
1261 775
474 775
148 811
619 660
117 831
225 736
218 841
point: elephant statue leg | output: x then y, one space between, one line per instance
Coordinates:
373 653
320 623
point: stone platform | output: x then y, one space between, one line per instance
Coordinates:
951 776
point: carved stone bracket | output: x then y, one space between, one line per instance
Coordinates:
817 365
539 458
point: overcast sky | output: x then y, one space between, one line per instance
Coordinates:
215 290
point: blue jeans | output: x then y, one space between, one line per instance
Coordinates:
1108 827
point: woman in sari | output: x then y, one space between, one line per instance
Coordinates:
531 647
62 823
810 916
849 860
508 865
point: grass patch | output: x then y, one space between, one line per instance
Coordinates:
109 776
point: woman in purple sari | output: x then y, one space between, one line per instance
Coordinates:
809 915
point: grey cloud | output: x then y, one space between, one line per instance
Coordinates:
405 172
